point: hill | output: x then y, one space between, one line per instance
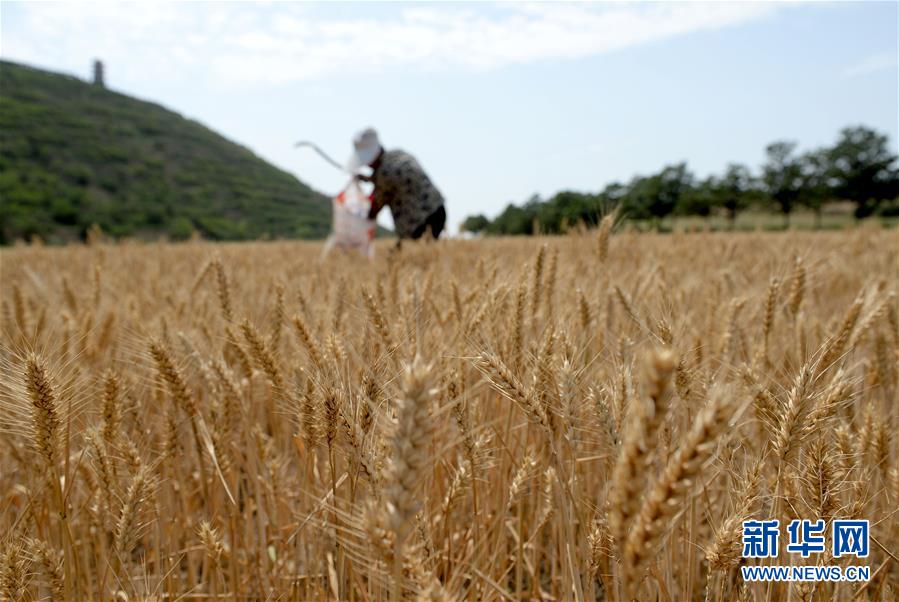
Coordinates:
73 154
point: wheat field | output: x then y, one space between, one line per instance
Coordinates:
588 417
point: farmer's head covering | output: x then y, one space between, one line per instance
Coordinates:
366 148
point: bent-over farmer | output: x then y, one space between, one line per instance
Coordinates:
401 184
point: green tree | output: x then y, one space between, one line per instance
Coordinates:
859 168
515 220
637 197
782 177
180 228
655 197
734 191
568 208
701 198
672 183
862 169
612 196
475 223
816 185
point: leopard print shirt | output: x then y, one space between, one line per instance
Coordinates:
402 184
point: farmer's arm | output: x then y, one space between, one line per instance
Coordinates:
375 209
379 198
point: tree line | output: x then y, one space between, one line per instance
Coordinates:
858 169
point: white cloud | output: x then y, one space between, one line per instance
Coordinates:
277 43
872 64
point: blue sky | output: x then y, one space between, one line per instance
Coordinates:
498 101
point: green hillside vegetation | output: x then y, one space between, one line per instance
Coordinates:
73 154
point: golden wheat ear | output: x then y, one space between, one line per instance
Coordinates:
677 483
629 474
44 412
